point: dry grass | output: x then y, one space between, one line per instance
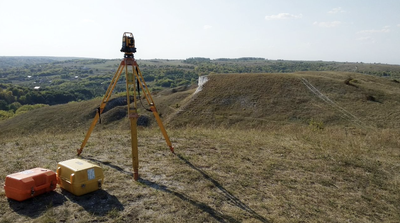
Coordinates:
245 101
256 100
286 174
269 149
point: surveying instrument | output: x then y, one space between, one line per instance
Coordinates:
134 83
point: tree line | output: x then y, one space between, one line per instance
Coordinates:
17 99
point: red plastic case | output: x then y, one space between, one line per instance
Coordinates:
30 183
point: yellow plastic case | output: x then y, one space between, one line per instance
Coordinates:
79 176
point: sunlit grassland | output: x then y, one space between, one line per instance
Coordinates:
288 173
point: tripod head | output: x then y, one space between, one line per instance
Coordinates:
128 45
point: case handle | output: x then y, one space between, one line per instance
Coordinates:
72 178
58 175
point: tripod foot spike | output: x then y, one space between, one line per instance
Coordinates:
79 151
136 175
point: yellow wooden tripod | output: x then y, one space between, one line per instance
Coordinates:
134 83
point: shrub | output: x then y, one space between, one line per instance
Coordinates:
26 108
5 114
316 125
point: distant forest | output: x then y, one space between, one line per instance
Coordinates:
30 82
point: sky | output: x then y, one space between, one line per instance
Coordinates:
341 30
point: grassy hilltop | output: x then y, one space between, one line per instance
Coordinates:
306 146
257 100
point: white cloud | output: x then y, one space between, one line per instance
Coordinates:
398 25
384 30
327 24
207 27
366 39
281 16
336 10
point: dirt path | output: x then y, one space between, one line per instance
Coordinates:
345 114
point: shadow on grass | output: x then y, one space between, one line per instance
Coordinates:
110 165
99 202
214 213
36 206
231 198
204 207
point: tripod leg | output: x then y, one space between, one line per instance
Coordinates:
163 131
103 104
135 156
133 117
150 101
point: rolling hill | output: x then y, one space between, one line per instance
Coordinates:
268 147
255 100
244 101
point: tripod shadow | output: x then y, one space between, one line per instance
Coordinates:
234 200
109 164
218 216
204 207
